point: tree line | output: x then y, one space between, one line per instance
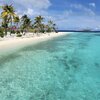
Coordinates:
11 23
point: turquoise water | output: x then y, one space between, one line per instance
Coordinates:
65 68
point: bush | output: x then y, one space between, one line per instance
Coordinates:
19 35
17 32
13 32
31 30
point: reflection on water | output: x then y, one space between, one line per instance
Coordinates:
65 68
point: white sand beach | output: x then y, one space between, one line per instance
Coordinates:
12 44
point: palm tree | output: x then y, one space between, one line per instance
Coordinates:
38 25
16 20
7 15
23 18
51 26
25 22
47 28
4 16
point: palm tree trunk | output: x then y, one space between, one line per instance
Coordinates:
11 25
5 26
5 31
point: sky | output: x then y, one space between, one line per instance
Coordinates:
67 14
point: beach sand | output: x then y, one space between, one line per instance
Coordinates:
13 44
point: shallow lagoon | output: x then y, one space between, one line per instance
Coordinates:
64 68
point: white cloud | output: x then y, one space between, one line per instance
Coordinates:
30 11
92 4
68 12
33 12
77 6
83 9
90 12
79 22
29 7
25 4
36 4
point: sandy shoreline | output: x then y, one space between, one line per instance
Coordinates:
18 43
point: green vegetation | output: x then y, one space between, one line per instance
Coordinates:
1 33
38 24
19 35
7 15
13 24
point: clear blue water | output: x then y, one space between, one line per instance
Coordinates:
65 68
